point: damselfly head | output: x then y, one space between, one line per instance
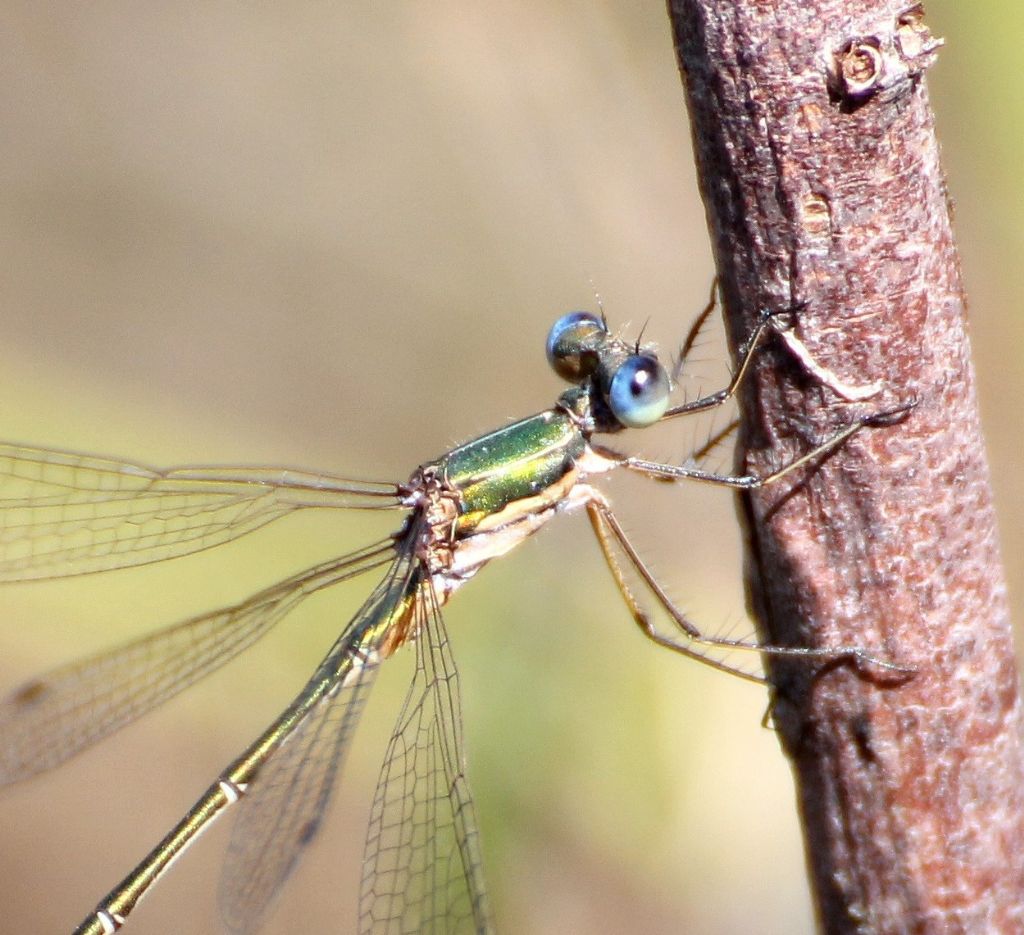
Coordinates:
633 384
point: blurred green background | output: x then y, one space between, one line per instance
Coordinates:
334 235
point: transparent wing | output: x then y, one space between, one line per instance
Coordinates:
284 806
422 871
65 514
49 719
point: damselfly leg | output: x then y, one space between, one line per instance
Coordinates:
613 539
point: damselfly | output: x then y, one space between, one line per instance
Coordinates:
67 514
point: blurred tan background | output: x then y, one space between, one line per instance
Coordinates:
334 235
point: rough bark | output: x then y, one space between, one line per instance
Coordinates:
820 174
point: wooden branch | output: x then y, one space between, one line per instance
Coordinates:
820 175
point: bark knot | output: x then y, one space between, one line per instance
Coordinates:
885 62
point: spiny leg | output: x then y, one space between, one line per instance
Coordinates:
606 529
672 472
713 441
746 355
609 533
695 329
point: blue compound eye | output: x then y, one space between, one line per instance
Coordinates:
568 342
638 394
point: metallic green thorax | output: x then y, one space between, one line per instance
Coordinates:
521 461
